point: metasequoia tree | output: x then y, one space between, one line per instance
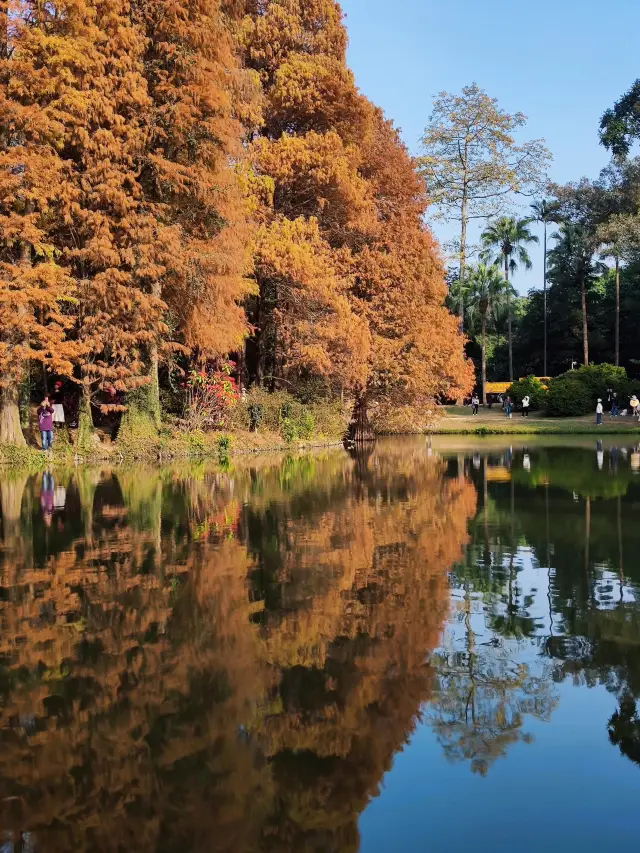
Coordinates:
472 162
86 251
312 327
200 103
38 56
337 165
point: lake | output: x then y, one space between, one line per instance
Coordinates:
423 646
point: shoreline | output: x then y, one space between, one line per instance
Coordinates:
215 447
221 447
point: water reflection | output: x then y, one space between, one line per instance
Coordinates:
193 659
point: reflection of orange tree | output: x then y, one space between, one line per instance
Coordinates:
155 704
122 690
350 655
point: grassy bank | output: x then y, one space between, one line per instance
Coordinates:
262 422
458 420
165 447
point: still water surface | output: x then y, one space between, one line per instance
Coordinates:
415 648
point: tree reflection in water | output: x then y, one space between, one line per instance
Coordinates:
196 660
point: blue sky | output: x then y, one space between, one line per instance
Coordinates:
560 62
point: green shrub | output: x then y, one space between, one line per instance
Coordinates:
568 396
306 425
197 441
577 391
256 414
531 387
224 446
288 430
598 378
269 410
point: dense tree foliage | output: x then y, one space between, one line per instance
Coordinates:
176 183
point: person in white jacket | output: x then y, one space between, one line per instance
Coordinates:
599 410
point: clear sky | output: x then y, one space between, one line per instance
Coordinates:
560 62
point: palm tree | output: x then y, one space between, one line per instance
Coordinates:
487 292
504 241
545 211
456 299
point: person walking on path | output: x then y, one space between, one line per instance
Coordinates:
599 410
507 407
526 402
475 404
634 403
45 423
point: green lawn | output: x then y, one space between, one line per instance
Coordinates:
459 420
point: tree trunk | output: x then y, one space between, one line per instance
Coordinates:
544 359
84 437
587 543
617 311
620 557
360 429
585 327
154 379
10 424
10 427
463 256
506 278
484 359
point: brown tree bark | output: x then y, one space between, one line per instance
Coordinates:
10 427
545 301
506 278
617 311
484 359
360 429
585 327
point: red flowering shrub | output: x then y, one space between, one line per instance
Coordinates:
210 396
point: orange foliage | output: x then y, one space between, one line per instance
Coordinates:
199 97
336 161
190 175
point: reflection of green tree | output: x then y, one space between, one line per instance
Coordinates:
624 728
574 471
482 699
491 568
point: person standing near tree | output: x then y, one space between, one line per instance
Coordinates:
58 408
45 423
507 407
475 404
614 405
526 401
